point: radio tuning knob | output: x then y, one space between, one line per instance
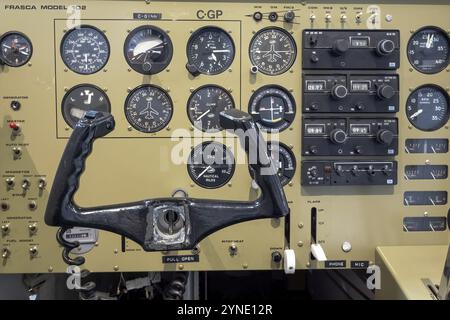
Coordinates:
341 46
385 136
338 136
385 47
385 91
339 91
192 69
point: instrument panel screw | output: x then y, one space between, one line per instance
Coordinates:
447 89
191 128
66 89
50 269
290 184
129 69
300 244
291 71
116 251
229 31
427 161
167 70
230 185
411 69
303 3
105 70
167 31
181 267
446 127
192 185
230 90
291 146
409 127
425 214
412 31
147 1
253 31
301 225
105 89
389 18
230 70
104 31
168 128
196 250
116 268
245 266
128 30
128 90
64 30
168 89
411 89
308 264
66 70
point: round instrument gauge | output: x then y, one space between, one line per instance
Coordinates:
273 108
273 51
85 50
148 50
211 165
427 108
83 98
205 105
16 49
210 51
148 108
285 161
429 50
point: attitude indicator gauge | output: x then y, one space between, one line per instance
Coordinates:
211 165
148 108
205 105
148 50
16 49
83 98
85 50
429 50
427 108
273 51
273 108
210 51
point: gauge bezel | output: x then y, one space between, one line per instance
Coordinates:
281 30
160 66
66 35
258 119
447 37
197 90
3 36
233 165
66 95
140 87
199 31
447 98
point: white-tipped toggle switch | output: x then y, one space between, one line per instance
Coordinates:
318 252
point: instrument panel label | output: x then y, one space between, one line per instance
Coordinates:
181 259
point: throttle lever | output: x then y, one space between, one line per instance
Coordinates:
168 223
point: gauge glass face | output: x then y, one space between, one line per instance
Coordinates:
85 50
148 50
273 51
284 160
81 99
211 165
273 108
205 105
427 108
148 108
428 50
210 50
16 49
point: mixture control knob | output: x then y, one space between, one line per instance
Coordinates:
338 136
339 91
385 47
385 91
341 46
289 16
385 136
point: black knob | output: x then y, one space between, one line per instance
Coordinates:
15 105
289 16
314 106
385 47
257 16
385 136
339 91
192 69
341 46
314 58
276 257
273 16
313 150
359 150
385 91
338 136
359 107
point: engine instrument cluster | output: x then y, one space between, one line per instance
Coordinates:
352 98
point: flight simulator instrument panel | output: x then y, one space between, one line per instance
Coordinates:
351 98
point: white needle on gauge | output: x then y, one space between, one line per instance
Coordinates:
213 56
220 51
415 114
146 46
6 46
203 172
430 39
86 55
204 114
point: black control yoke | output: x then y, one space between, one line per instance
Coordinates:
169 223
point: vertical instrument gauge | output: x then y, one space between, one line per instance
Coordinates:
16 49
273 108
429 50
83 98
285 161
148 50
211 165
273 51
148 108
204 107
427 108
85 50
210 51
